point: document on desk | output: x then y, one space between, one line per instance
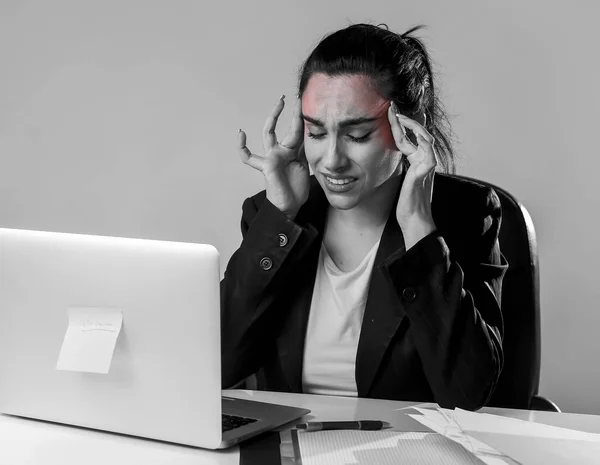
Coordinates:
489 423
90 339
497 439
380 447
442 421
531 443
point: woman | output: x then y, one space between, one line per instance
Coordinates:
366 279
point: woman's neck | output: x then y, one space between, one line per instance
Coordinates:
372 212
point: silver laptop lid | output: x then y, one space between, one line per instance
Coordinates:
164 378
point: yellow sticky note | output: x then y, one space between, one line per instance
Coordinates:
90 339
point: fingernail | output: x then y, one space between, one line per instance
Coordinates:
393 105
239 130
282 97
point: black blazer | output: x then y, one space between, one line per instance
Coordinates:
432 327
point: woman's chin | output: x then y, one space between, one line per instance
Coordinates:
342 202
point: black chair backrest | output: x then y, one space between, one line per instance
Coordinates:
520 377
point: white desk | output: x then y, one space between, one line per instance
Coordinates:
24 441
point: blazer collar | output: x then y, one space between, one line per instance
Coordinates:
383 315
290 343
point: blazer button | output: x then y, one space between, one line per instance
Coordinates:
266 263
283 240
409 294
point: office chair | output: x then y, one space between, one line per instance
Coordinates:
519 382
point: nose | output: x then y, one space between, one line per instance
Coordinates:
334 159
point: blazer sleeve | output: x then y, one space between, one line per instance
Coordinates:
256 274
453 304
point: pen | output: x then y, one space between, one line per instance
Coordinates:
371 425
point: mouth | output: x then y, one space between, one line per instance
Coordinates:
339 183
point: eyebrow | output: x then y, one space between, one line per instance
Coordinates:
343 123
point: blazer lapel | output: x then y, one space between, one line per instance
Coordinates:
290 343
382 315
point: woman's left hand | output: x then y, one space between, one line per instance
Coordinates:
414 205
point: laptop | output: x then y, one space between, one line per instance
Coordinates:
160 378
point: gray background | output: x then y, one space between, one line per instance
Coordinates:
121 117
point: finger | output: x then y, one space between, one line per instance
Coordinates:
246 155
269 136
427 145
415 127
302 156
296 134
401 139
417 157
424 156
430 185
429 179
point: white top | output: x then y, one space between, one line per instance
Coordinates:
336 314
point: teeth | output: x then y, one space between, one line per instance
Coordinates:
339 181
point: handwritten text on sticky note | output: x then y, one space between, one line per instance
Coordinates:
90 339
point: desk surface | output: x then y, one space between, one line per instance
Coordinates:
24 441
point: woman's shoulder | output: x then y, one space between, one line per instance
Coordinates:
464 208
465 193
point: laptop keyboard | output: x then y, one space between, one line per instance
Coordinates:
230 422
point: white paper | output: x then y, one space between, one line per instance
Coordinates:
532 450
380 447
90 339
525 442
438 421
488 423
531 443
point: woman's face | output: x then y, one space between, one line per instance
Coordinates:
347 138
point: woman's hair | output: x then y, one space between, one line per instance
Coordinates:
400 69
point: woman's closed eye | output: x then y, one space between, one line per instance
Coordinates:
357 139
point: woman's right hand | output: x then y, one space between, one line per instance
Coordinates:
283 164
